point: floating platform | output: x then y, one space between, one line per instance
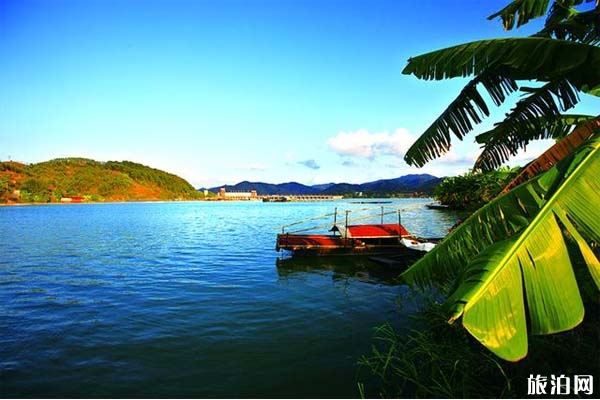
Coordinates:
355 239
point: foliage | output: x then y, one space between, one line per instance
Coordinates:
10 173
12 167
34 190
142 174
473 190
505 276
553 155
96 181
438 360
5 190
511 263
500 144
558 58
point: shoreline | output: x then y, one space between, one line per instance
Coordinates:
14 204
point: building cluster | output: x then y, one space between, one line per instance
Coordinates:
225 195
252 195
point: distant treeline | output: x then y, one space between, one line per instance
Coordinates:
50 181
471 191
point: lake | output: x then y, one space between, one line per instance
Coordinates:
186 299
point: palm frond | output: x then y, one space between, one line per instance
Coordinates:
566 23
534 58
550 127
459 118
521 11
511 257
560 150
498 64
531 119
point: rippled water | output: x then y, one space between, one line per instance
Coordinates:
183 300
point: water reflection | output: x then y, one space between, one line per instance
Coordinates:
341 268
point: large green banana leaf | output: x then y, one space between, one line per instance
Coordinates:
510 261
563 66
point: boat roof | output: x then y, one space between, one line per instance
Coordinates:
373 231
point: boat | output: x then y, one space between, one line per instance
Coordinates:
437 206
367 234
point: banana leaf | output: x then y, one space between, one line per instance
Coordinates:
500 143
560 150
498 64
562 20
510 263
521 12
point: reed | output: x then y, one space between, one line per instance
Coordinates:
439 360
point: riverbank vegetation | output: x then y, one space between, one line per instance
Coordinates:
89 180
441 360
520 271
473 190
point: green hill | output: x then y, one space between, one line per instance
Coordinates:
89 180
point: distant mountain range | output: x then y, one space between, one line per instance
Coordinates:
408 184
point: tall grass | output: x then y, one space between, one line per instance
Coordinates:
439 360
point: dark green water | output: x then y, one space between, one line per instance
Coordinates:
184 300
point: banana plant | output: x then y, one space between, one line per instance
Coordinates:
562 67
561 59
510 262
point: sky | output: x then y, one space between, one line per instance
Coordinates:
222 91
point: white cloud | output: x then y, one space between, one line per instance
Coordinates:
312 164
364 144
531 152
366 151
460 157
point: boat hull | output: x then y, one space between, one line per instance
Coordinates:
323 245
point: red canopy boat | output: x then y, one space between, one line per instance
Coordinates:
353 239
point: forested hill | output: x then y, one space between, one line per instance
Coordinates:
89 180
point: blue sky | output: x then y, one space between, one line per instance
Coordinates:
220 91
